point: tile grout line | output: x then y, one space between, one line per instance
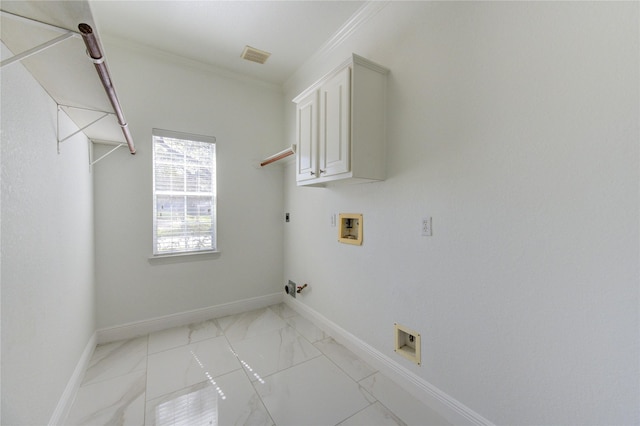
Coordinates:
251 382
357 382
83 383
370 397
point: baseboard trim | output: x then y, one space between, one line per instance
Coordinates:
450 408
140 328
61 412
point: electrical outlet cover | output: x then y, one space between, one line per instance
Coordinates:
426 227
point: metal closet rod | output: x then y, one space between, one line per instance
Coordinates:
93 49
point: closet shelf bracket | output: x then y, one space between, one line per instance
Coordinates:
92 162
67 34
37 49
94 52
82 129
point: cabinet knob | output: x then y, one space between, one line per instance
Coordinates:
322 171
313 173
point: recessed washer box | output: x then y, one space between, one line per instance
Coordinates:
407 343
350 228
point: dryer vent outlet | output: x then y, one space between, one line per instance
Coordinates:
290 289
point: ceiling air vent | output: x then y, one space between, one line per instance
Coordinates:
255 55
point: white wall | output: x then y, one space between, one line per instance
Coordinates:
159 91
515 126
47 259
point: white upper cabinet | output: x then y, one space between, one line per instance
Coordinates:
335 128
340 125
307 137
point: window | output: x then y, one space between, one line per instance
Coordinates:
184 193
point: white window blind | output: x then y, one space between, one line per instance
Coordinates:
184 193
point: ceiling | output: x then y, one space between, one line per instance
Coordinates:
211 32
216 32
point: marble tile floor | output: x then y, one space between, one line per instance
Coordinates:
264 367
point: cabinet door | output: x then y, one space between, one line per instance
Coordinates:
335 129
307 137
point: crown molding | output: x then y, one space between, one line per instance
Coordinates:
362 15
359 18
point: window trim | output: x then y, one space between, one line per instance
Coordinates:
183 257
161 133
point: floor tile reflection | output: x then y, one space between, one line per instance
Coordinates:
273 351
266 367
226 400
194 405
184 366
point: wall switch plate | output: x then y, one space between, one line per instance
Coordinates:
426 227
333 220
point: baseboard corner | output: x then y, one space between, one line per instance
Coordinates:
68 396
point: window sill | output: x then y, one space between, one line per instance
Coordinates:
183 257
